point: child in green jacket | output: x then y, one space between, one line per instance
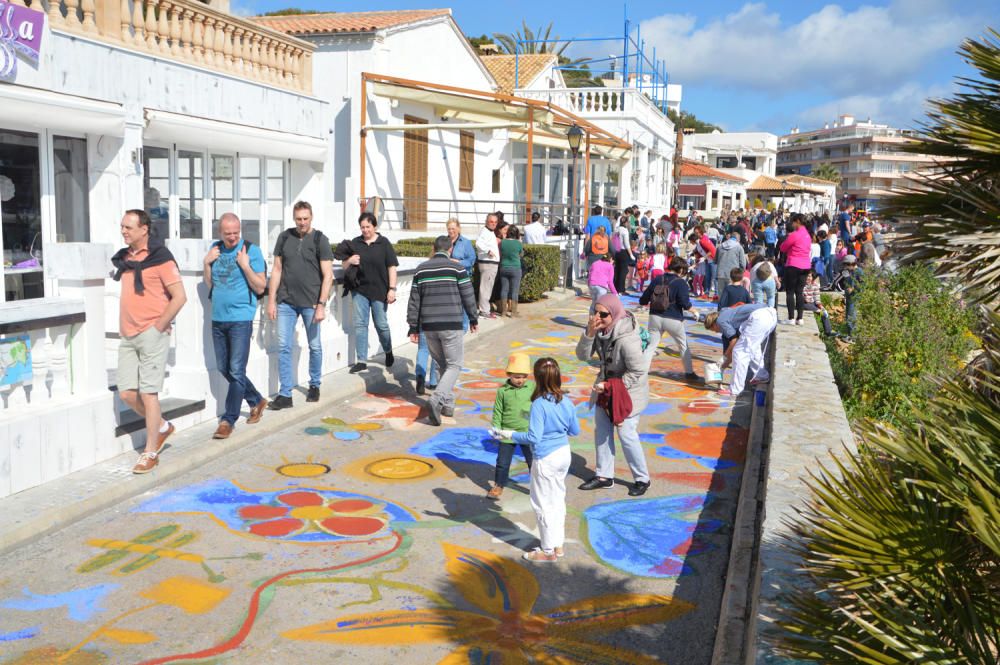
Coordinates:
510 412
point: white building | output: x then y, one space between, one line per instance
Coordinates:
793 193
708 191
742 154
869 157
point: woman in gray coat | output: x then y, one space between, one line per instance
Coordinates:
613 335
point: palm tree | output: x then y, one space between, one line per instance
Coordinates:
530 42
900 544
826 171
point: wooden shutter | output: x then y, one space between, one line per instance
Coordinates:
467 161
415 174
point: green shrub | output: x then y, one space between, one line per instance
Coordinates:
911 331
541 266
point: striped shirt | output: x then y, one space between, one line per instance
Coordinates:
441 290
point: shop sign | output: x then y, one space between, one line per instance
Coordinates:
20 33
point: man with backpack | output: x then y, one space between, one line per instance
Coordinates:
668 297
236 276
299 287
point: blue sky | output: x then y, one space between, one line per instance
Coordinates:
756 66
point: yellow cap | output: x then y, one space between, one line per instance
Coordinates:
519 363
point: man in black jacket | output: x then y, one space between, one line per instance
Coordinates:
441 289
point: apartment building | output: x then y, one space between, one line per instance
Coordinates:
869 156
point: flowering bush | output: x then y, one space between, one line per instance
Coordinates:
911 331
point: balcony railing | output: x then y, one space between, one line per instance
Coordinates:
596 103
187 31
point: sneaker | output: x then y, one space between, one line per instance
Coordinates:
389 359
163 438
223 430
256 411
638 488
420 386
538 556
432 387
798 322
495 492
358 367
434 414
448 411
280 402
313 394
596 483
146 463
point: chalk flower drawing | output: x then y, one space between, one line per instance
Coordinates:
504 629
302 511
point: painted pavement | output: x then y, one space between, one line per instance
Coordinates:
365 536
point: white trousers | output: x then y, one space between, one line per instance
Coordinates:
548 496
748 354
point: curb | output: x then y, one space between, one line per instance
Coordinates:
41 510
736 628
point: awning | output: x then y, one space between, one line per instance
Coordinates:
231 137
474 109
54 110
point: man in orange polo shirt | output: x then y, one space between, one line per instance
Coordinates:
152 294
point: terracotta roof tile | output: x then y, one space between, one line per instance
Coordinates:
691 169
790 183
529 66
336 22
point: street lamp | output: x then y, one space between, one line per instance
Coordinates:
783 183
574 137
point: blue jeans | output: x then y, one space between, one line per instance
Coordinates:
421 368
232 348
510 283
505 455
376 309
288 315
710 276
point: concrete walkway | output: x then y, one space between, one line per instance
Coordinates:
357 531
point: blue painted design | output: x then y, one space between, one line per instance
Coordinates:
81 604
462 444
649 537
223 500
23 634
712 463
656 408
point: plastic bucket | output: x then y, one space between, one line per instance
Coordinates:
713 374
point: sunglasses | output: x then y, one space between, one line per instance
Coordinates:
604 315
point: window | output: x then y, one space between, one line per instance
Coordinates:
156 189
496 181
190 188
726 163
250 197
466 161
21 215
223 189
750 163
276 201
72 189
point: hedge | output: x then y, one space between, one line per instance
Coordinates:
541 266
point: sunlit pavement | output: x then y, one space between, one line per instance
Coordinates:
366 534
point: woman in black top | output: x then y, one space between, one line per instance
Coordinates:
668 296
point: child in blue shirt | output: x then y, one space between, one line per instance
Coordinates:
551 422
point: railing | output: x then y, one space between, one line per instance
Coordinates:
603 102
188 31
398 213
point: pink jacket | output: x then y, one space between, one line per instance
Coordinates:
602 274
797 247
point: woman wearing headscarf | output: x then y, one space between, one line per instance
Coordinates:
621 391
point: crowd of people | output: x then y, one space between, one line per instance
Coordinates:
741 261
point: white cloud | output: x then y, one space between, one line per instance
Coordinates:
833 50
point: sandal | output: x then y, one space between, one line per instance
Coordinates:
495 492
538 556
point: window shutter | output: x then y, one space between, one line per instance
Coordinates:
467 156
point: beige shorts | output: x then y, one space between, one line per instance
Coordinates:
142 361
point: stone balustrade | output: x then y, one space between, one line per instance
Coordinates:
188 31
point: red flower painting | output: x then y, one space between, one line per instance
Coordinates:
303 511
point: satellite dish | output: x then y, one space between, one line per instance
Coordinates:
375 206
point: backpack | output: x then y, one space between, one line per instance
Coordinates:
253 294
616 243
660 299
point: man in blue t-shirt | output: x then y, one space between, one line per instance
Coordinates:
844 227
596 220
236 276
